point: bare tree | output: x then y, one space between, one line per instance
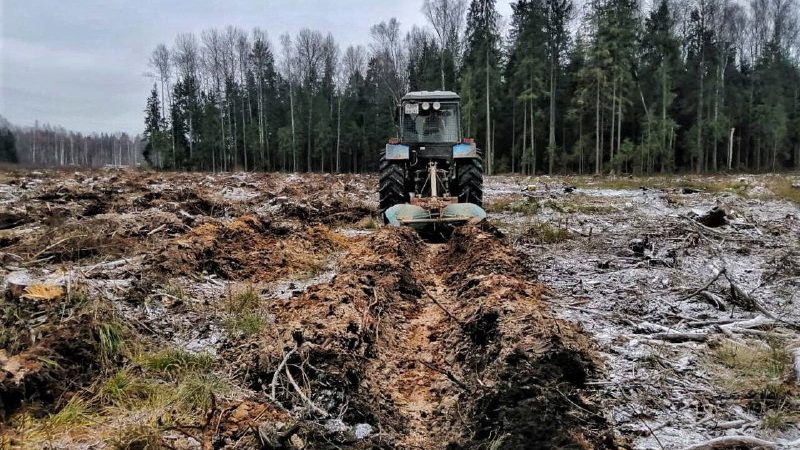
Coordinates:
354 62
289 64
310 47
243 55
159 61
213 61
447 19
260 56
388 51
186 59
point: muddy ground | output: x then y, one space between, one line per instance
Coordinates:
150 310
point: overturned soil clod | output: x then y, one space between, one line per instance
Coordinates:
438 346
272 311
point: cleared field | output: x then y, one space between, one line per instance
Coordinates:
147 310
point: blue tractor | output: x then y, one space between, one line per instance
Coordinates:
430 175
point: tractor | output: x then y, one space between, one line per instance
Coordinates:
430 176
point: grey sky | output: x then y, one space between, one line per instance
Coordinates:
80 64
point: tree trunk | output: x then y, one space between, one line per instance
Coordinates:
700 152
338 132
551 143
291 111
308 143
533 143
524 135
244 138
663 150
597 130
489 150
513 134
613 119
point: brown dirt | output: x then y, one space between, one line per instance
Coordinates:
484 364
423 345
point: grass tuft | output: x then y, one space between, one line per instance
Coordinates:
782 188
369 223
112 342
525 205
196 393
176 361
244 313
74 414
759 370
545 233
779 419
137 437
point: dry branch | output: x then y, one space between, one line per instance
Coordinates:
730 442
707 285
302 395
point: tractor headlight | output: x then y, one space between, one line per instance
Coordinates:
437 106
426 106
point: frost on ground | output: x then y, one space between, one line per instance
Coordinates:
697 324
163 310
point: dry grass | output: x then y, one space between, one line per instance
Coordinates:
545 233
706 184
579 204
369 223
782 188
526 205
244 315
131 407
758 370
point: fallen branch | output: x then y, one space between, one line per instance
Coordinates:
277 372
446 373
302 395
796 355
680 337
707 285
446 311
751 302
713 299
733 442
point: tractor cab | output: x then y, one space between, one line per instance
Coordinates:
430 174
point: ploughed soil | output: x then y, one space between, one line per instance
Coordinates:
161 310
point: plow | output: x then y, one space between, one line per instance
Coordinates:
431 176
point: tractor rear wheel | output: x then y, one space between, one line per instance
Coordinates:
392 190
469 181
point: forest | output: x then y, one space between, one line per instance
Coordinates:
45 145
611 85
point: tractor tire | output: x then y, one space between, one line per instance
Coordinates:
469 181
392 190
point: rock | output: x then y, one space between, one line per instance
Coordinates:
688 190
569 189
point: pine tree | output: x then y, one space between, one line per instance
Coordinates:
8 148
482 61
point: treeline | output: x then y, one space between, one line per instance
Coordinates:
701 85
50 146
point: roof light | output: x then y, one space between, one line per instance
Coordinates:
426 106
437 105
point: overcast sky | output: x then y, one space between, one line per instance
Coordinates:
82 64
